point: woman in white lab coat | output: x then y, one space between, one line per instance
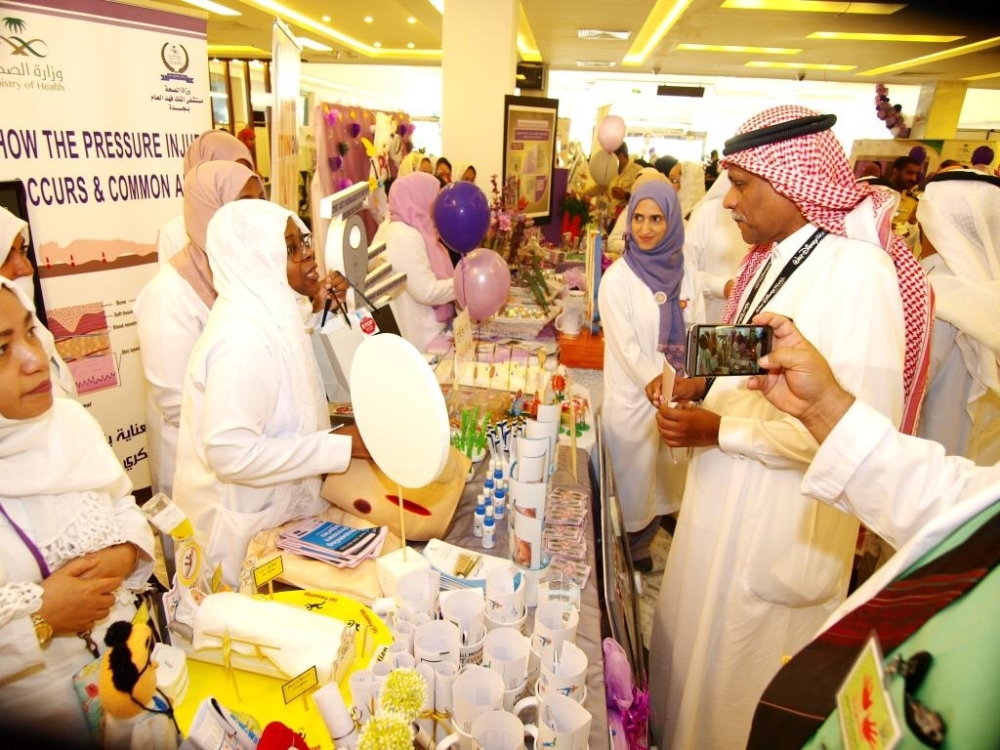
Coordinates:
647 299
73 545
424 308
254 434
172 309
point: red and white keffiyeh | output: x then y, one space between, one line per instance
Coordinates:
813 172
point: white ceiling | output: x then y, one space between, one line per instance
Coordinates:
554 25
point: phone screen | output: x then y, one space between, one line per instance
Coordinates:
717 350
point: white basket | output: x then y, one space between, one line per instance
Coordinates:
501 326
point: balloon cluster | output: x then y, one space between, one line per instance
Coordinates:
891 114
461 214
604 163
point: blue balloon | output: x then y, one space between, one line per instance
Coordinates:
461 214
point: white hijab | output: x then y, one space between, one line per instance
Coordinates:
61 451
246 247
961 218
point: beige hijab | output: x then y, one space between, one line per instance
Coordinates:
215 145
207 187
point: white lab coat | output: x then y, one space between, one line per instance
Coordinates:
649 483
36 688
170 317
755 567
406 251
172 239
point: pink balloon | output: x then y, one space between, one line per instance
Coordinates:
611 132
482 282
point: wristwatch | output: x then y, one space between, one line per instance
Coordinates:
43 631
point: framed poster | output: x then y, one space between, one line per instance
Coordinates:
529 142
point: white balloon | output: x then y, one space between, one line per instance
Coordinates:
603 167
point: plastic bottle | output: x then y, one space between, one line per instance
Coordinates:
488 488
477 519
499 482
489 529
499 504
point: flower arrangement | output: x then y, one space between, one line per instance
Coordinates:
400 702
508 223
576 214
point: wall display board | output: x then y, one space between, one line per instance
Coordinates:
529 143
100 101
285 67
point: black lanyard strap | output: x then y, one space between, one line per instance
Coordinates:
790 267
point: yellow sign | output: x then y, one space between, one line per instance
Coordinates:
217 578
268 571
299 686
141 615
867 719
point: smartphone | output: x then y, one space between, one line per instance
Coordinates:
716 350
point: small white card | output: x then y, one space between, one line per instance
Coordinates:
669 375
867 717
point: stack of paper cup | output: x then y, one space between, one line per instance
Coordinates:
555 624
506 652
476 691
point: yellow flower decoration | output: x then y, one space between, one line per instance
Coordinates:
386 730
372 184
369 147
404 692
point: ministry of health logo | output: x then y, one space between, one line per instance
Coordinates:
175 59
19 45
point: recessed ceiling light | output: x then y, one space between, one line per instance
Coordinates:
864 37
327 19
815 6
211 7
737 48
377 44
411 19
594 64
797 66
369 19
410 45
602 34
313 45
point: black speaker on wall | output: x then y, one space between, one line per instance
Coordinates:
531 76
693 91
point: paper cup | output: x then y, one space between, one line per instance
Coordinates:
402 660
467 609
457 739
417 592
363 692
520 625
563 671
506 651
471 653
548 430
549 413
437 641
476 691
561 722
402 635
529 466
555 624
505 593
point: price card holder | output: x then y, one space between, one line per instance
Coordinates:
266 573
299 686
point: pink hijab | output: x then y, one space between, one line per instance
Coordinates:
410 201
215 145
207 187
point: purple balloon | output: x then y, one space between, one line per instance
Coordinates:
919 153
482 282
461 214
355 129
343 183
880 114
982 155
335 163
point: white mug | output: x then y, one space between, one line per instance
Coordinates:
569 322
561 723
493 730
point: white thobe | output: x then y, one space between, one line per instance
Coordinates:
170 317
713 245
755 567
243 465
413 308
649 483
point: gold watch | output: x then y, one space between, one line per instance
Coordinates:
43 631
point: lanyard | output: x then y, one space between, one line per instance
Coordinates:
790 267
32 547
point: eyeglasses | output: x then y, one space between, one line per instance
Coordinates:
299 250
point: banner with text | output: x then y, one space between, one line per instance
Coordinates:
100 102
286 64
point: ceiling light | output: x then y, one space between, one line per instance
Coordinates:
737 48
983 77
438 5
797 66
602 34
235 49
411 19
864 37
815 6
965 49
377 44
594 64
369 19
410 45
310 44
327 19
663 16
211 7
527 47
